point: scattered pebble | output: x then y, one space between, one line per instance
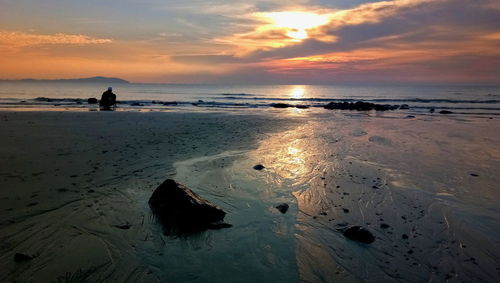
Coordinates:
125 226
19 257
384 226
283 208
259 167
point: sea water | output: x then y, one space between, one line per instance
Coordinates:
464 99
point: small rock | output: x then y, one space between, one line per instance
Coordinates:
283 208
92 100
219 225
169 103
19 257
384 226
360 234
281 105
404 106
432 110
345 210
123 226
360 106
474 175
404 236
259 167
445 112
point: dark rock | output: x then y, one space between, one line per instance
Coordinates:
92 100
125 226
343 224
170 103
445 112
219 225
404 236
281 105
404 106
384 226
43 99
259 167
360 234
360 106
410 116
432 110
182 211
283 208
19 257
474 175
346 210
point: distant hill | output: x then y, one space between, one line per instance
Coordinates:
83 80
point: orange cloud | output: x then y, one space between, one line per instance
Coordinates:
372 12
22 39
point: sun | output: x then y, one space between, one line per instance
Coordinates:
297 91
296 23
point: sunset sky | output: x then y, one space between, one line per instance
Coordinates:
246 41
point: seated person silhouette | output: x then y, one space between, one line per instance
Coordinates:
108 100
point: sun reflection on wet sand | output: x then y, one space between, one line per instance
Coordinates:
355 171
289 154
295 162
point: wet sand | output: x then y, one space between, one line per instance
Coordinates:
70 180
427 188
75 189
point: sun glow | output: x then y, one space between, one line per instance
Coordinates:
297 92
296 23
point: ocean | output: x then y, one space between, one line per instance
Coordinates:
460 99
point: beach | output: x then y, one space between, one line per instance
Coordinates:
75 187
250 141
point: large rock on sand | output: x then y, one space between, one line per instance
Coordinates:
181 210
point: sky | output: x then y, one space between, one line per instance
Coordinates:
247 41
